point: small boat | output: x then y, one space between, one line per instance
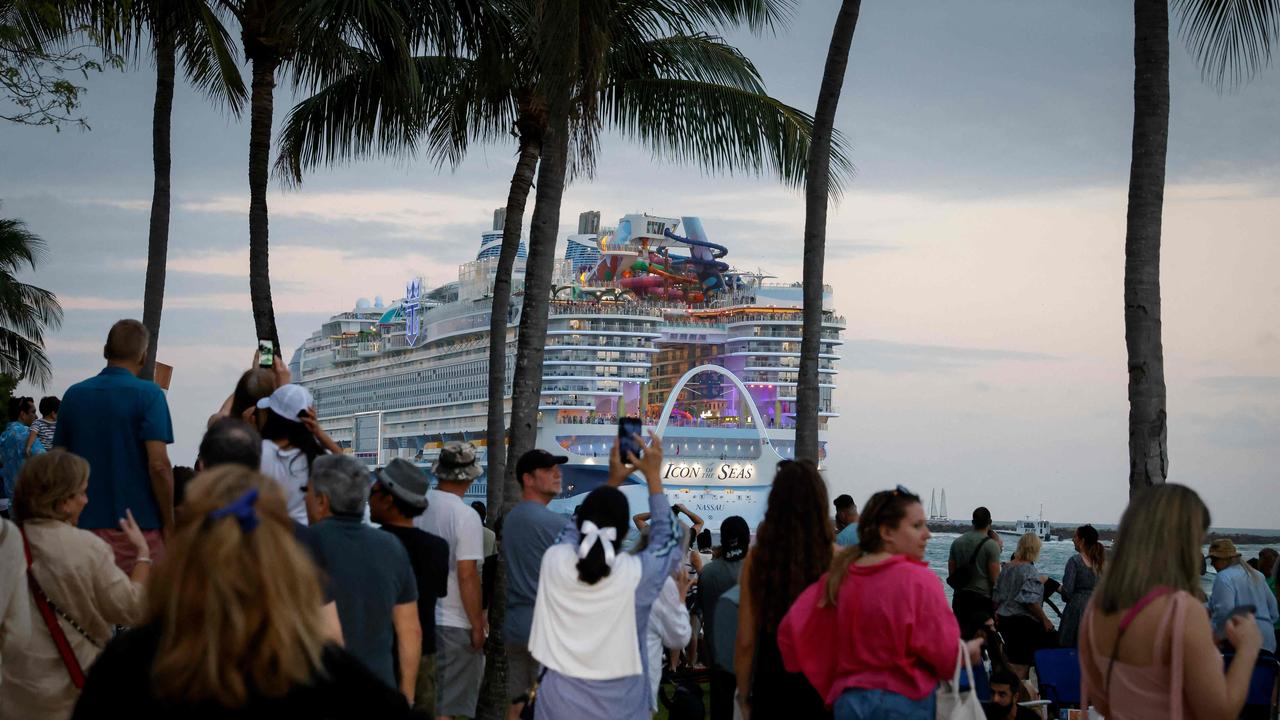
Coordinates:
1038 527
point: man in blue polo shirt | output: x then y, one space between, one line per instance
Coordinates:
121 425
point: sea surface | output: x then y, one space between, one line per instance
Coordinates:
1053 558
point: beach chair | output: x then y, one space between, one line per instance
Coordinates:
1262 686
1059 672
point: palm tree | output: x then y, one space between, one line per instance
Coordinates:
322 40
193 28
815 229
1233 40
26 311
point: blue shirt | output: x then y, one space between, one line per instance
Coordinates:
13 448
848 537
1236 586
369 574
107 420
527 531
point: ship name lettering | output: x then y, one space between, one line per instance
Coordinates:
735 472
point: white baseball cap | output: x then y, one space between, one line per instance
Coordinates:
288 401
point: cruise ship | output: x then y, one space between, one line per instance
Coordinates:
647 319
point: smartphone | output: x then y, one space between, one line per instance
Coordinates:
1243 610
628 429
266 353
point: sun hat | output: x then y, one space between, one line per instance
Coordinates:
1223 549
404 480
457 462
288 401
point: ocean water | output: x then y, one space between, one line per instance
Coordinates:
1052 562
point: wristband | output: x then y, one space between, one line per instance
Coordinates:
146 560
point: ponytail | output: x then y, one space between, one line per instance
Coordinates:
885 509
606 508
1092 548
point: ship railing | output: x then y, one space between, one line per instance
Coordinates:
591 308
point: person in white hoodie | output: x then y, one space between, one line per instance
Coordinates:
669 626
592 610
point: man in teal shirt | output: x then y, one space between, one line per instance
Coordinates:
121 425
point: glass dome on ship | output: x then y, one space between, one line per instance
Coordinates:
647 319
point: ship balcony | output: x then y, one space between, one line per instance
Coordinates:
836 321
823 367
629 347
783 337
773 353
634 311
580 389
571 357
639 330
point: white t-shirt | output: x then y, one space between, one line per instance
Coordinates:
289 468
455 521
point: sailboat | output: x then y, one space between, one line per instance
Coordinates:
938 512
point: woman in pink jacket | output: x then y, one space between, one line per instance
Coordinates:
895 635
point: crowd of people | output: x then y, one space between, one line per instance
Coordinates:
281 577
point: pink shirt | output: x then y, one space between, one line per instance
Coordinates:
894 630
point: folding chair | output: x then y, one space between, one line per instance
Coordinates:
1262 686
1059 672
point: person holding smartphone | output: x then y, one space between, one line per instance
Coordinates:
1237 590
592 612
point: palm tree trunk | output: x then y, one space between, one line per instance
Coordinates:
499 495
526 386
817 181
261 102
502 492
162 162
1148 431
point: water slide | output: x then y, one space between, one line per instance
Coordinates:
703 251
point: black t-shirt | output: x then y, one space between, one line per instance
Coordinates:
429 556
119 685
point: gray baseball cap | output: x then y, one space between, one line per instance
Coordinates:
404 480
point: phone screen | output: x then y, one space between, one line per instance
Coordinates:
266 353
628 428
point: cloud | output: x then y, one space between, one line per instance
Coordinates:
896 357
1249 427
1248 384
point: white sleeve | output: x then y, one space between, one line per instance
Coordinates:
470 535
15 613
670 618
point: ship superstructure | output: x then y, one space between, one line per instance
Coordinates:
647 319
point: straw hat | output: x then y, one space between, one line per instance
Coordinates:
1223 549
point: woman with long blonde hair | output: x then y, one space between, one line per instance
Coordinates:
1145 633
234 625
1019 598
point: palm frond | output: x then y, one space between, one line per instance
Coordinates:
699 56
1231 39
24 359
27 309
207 58
759 16
19 246
720 129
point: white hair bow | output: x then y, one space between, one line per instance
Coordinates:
592 534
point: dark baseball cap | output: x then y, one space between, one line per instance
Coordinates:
537 459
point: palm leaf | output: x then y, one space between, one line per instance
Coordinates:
1232 39
24 359
697 56
207 58
720 129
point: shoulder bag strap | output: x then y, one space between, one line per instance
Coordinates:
46 611
974 557
1126 621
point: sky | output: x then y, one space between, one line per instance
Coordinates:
977 255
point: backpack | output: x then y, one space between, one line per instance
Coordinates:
960 577
685 702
